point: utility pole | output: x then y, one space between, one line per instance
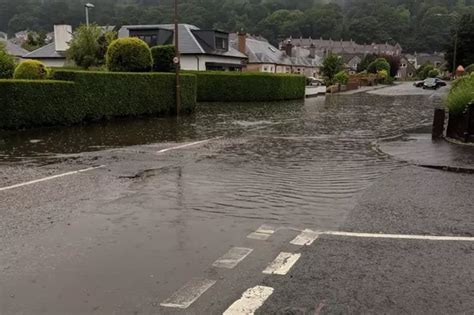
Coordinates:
456 38
177 58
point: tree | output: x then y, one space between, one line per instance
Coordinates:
423 72
368 59
85 48
7 63
379 64
34 41
332 65
465 42
394 62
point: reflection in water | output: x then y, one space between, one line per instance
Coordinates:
292 163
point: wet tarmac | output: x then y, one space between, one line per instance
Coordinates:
122 238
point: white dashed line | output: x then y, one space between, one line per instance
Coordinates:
50 177
282 264
400 236
232 258
189 293
305 238
251 301
262 233
187 145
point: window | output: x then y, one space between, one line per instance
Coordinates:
265 69
222 43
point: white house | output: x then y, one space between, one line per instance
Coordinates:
200 50
54 54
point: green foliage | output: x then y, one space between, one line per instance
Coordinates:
248 87
434 73
469 69
378 65
26 103
332 65
31 70
461 94
7 64
423 72
163 58
34 41
341 77
464 29
368 59
86 48
394 62
129 55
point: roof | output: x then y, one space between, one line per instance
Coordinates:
48 51
189 43
423 58
13 49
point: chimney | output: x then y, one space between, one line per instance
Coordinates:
312 51
288 48
242 42
62 37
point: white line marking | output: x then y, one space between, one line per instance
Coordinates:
50 177
401 236
251 301
232 258
282 264
189 293
187 145
305 238
262 233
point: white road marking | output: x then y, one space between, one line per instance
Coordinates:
401 236
305 238
232 258
189 293
282 264
50 177
187 145
262 233
251 301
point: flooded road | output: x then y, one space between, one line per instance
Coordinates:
124 237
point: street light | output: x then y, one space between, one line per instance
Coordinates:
88 6
177 57
455 15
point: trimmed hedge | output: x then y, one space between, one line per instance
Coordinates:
90 96
129 54
163 58
27 103
31 70
248 87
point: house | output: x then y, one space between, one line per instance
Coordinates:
13 50
340 47
200 50
54 54
407 69
352 61
264 57
437 59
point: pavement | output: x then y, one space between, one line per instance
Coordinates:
266 208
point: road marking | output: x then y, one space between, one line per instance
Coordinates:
50 177
262 233
189 293
251 301
187 145
305 238
232 258
401 236
282 264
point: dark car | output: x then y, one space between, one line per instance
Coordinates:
433 83
418 84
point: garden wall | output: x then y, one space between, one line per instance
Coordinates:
248 87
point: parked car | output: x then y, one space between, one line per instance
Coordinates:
433 83
418 84
315 82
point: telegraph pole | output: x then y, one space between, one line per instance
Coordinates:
177 58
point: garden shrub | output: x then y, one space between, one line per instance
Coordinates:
469 69
129 55
379 64
31 70
163 58
433 73
27 103
461 94
342 77
248 87
7 64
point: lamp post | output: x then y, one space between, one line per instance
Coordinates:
88 6
177 58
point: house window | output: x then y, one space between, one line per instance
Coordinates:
151 40
265 69
222 43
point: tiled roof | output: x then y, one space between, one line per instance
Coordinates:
48 51
13 49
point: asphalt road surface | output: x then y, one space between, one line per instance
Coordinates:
224 212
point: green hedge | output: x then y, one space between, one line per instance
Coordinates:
108 94
248 87
90 96
27 103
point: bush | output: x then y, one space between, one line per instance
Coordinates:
7 65
341 77
248 87
461 94
433 73
26 103
129 55
163 58
378 65
332 65
470 69
31 70
424 70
